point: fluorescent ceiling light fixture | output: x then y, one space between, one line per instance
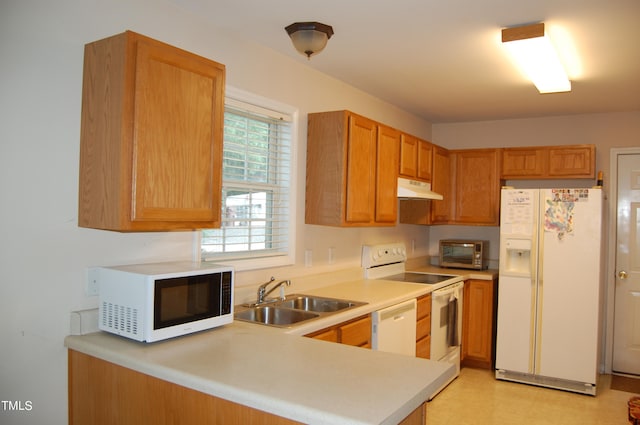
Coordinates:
534 53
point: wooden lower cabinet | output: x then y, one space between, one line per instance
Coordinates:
355 332
417 417
103 393
423 327
479 323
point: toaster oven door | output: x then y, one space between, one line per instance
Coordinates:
464 255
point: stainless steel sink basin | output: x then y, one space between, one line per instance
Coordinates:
275 316
294 309
317 304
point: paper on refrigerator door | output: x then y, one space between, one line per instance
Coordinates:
559 210
518 211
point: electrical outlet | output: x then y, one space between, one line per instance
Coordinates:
92 287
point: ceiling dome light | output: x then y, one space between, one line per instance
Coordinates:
309 38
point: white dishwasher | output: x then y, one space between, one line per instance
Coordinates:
394 328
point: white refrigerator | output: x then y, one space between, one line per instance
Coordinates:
550 284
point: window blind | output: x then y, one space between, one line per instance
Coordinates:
255 185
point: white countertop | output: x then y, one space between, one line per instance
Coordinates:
303 379
277 371
378 294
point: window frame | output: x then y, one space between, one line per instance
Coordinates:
259 104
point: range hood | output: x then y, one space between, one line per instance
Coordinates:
413 189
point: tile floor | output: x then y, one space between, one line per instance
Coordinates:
477 398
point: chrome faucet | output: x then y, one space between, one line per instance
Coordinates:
262 289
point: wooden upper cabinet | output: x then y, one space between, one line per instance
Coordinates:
386 175
151 137
425 160
523 163
477 183
469 182
408 156
572 161
352 165
470 179
361 166
549 162
442 183
416 158
415 211
425 211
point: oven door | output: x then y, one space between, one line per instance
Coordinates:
446 320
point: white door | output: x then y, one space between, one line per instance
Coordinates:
626 333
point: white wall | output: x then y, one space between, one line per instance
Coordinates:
44 253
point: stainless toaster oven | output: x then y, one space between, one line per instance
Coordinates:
464 254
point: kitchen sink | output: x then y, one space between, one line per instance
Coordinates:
275 316
293 309
317 304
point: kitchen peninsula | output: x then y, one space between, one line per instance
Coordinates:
243 373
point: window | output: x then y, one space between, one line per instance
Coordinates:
257 168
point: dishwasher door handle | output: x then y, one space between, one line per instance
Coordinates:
394 313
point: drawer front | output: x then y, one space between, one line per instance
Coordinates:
423 347
423 327
356 333
330 335
424 306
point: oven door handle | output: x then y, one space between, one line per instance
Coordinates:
438 293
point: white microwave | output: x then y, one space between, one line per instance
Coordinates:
156 301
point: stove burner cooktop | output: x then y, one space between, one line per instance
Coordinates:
425 278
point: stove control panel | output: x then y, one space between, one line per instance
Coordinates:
384 254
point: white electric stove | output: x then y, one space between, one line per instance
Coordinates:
388 262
